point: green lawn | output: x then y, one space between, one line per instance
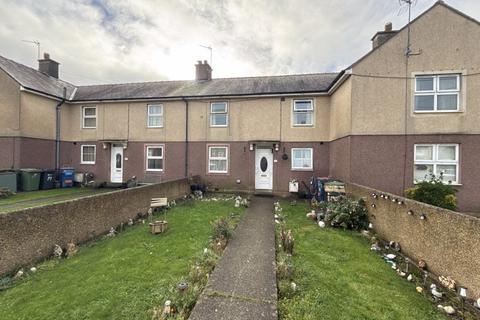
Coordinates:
338 277
117 278
28 199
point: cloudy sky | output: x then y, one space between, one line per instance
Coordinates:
111 41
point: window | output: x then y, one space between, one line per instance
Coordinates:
218 114
155 158
302 159
436 159
89 117
303 112
88 154
155 116
217 159
439 93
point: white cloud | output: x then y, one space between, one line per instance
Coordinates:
105 41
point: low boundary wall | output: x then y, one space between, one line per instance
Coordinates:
29 235
448 241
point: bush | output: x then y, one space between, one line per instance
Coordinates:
435 192
222 229
346 213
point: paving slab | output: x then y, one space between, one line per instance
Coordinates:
243 285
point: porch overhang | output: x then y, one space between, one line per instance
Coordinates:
116 143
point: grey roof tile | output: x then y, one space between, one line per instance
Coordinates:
35 80
220 87
305 83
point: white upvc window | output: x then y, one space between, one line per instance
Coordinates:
154 158
302 159
437 93
155 116
218 159
219 114
89 117
88 154
302 113
436 159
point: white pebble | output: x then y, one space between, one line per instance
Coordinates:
33 269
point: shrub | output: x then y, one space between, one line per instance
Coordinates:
347 213
435 192
222 229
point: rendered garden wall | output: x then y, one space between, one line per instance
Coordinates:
29 235
448 241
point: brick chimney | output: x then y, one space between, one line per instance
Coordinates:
382 36
203 71
48 66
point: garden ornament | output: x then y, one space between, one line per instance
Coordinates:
57 251
435 292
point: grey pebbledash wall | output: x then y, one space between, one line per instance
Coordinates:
448 241
29 235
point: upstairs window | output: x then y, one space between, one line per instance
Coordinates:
437 93
88 154
437 159
155 116
303 113
218 114
155 158
302 159
217 159
89 117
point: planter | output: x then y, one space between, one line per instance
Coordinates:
158 227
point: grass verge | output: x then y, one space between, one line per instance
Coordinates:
336 276
122 277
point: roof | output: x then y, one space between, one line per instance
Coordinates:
34 79
222 87
397 32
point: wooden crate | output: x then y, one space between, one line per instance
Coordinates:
158 227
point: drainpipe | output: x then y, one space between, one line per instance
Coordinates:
57 129
186 137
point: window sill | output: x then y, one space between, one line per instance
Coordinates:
88 163
218 126
302 125
159 127
450 184
299 169
438 112
89 128
154 171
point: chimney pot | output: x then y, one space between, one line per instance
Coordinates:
48 66
388 27
205 62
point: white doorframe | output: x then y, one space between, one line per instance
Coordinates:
264 169
116 165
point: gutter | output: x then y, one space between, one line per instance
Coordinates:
342 76
57 129
186 136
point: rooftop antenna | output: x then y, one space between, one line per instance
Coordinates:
37 43
408 50
211 53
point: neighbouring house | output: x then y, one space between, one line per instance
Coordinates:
383 122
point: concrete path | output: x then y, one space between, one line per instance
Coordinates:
243 285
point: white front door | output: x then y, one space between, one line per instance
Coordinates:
263 169
116 164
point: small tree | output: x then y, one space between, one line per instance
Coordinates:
434 191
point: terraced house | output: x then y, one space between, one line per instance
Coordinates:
392 116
